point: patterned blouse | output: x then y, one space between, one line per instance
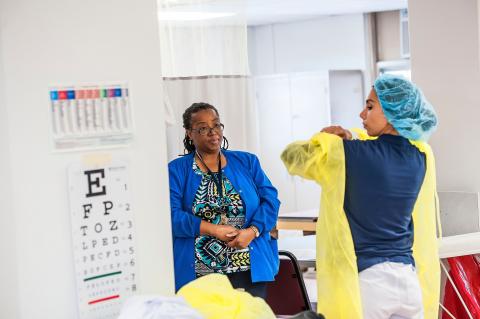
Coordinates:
213 255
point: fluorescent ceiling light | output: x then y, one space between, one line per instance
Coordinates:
191 16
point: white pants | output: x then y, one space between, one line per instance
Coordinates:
391 291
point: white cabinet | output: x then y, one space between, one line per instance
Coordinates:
275 129
294 107
290 107
346 97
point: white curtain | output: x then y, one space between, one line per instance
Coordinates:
204 58
202 37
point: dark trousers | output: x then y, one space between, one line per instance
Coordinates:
243 279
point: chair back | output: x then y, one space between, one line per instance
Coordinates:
287 295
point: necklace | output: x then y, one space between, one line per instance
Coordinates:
218 180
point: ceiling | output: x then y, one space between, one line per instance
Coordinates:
258 12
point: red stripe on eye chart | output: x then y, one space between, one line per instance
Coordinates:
103 299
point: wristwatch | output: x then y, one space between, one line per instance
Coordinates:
255 230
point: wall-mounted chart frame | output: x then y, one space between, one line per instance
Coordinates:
102 235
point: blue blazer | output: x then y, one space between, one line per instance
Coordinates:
261 209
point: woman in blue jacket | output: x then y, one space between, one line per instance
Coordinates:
223 207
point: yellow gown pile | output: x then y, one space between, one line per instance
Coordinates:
215 298
322 159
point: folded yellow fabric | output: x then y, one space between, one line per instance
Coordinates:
215 298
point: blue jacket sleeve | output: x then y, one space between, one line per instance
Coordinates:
265 217
184 224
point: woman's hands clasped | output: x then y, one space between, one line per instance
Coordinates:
225 233
235 238
243 239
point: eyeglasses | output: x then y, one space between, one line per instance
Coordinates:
204 130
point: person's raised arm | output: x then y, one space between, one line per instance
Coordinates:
309 159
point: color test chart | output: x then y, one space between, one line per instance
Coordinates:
103 238
90 116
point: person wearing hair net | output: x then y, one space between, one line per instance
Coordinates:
377 255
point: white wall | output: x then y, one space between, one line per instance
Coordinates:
445 64
327 43
8 273
74 42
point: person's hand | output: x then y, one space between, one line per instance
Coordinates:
339 131
243 239
225 233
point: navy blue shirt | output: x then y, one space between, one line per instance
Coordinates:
383 179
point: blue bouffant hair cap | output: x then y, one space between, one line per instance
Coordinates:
405 107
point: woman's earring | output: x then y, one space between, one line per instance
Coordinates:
225 143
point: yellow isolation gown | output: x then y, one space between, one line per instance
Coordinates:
322 159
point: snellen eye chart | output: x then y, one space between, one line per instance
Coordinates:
84 117
103 237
